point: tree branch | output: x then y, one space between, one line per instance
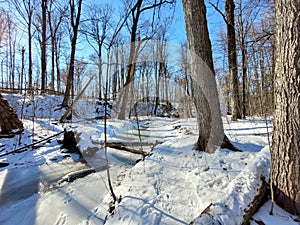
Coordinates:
219 11
156 5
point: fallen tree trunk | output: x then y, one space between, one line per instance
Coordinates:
131 150
122 146
109 144
256 203
242 197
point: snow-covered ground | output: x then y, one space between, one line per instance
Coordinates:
172 186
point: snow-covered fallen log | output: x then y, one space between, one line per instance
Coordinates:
242 195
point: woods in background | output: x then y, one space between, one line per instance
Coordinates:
44 57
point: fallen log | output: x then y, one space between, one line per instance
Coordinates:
122 146
242 197
256 203
25 148
7 135
131 150
133 143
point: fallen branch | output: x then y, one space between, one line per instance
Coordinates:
25 148
131 150
133 144
7 135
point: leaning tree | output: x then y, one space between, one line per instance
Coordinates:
285 151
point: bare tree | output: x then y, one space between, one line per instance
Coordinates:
44 45
96 28
11 50
56 14
136 10
185 67
75 13
26 10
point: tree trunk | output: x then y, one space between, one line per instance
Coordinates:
285 153
244 62
53 40
57 48
204 86
100 72
232 60
75 25
29 55
264 88
9 121
132 59
43 46
115 76
53 62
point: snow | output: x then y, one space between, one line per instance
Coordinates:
172 186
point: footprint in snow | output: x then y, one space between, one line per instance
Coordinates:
62 219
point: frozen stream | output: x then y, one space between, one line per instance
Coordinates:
32 182
20 183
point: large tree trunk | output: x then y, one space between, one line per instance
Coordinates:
285 153
232 60
9 121
204 85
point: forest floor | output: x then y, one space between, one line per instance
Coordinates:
171 186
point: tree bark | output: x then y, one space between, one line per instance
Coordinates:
204 87
285 153
9 121
232 60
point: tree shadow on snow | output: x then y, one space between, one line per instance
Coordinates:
145 206
247 147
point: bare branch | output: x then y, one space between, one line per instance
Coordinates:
220 12
156 5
